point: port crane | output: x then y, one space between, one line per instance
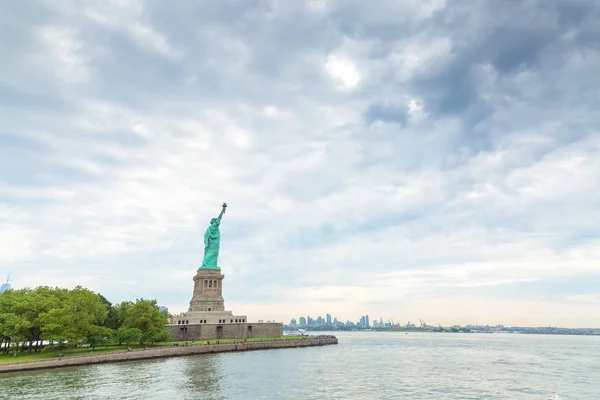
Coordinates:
423 324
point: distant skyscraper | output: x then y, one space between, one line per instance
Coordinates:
293 322
302 321
362 321
6 285
163 309
367 321
328 318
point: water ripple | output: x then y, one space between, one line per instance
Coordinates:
365 365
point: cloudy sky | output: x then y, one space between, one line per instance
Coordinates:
404 159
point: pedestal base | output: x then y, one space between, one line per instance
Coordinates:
225 331
208 291
207 317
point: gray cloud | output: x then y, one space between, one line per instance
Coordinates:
370 155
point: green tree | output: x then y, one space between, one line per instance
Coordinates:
120 313
16 327
73 316
78 316
14 323
111 320
145 316
99 335
38 302
128 335
156 335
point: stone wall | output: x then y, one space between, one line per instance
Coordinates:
224 331
163 352
207 317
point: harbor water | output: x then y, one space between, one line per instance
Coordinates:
364 365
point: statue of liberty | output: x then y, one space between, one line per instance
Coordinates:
212 242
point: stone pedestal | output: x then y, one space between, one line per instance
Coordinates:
208 291
207 305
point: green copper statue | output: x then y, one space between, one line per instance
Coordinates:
212 242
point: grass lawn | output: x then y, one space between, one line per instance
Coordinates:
52 352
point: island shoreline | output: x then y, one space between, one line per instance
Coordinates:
163 352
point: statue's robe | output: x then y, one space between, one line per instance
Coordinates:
212 242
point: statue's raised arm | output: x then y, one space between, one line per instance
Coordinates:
222 212
212 242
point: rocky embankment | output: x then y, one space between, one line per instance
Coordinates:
164 352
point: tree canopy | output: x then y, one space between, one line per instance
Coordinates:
70 317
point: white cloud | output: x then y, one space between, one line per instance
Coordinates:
271 111
238 136
129 17
492 185
416 56
317 5
343 71
148 37
593 298
514 312
17 243
65 51
416 109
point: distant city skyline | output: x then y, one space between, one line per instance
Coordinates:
5 286
364 322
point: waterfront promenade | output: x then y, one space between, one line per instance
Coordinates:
167 351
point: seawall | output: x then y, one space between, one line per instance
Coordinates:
164 352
